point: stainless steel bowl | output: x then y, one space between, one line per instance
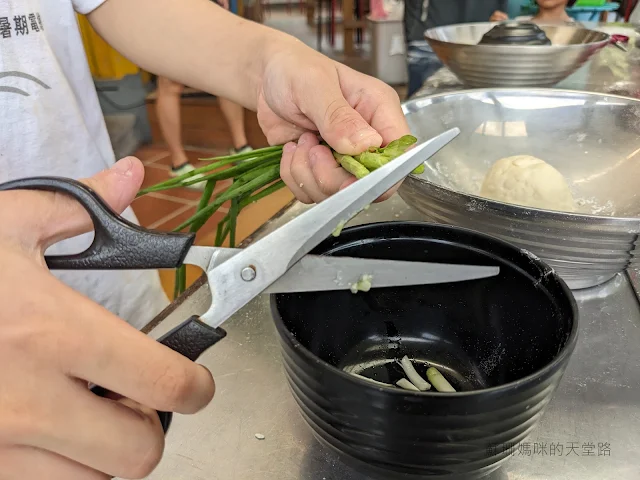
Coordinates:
592 139
513 65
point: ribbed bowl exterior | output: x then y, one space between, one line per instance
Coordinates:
513 65
583 252
413 437
482 68
392 434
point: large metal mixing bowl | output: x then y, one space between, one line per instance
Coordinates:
592 139
513 65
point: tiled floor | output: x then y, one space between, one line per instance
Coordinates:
166 210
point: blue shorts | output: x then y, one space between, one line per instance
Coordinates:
421 63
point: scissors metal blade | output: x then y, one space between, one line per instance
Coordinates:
314 273
238 280
317 273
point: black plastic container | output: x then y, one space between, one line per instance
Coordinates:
503 342
515 33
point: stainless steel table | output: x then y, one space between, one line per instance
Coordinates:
590 431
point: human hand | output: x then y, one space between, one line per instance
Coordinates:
53 341
498 16
304 91
224 4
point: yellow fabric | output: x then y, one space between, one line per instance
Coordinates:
105 62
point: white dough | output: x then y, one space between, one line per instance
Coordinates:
528 181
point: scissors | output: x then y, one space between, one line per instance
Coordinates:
278 263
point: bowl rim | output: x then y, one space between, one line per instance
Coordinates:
562 356
512 208
521 48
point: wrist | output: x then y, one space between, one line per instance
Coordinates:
274 46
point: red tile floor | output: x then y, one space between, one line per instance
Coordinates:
166 210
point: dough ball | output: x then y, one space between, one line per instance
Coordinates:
528 181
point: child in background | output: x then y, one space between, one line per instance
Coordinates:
553 11
549 11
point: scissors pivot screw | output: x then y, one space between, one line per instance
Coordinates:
248 273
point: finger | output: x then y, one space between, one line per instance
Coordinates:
276 129
55 216
378 103
338 123
116 356
330 176
120 438
117 186
301 168
285 173
391 123
25 463
283 132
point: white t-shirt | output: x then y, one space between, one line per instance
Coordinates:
51 124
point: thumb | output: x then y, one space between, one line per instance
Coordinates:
44 218
342 127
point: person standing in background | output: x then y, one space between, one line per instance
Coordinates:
549 11
553 11
168 111
420 15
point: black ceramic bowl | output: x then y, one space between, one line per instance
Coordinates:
503 343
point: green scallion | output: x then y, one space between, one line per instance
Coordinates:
255 174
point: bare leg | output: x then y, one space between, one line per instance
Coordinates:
234 115
168 108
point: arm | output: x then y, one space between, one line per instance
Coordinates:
498 15
177 39
293 88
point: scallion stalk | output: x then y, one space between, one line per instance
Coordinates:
438 381
407 385
255 174
233 215
415 378
267 177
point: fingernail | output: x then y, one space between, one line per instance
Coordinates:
290 147
366 138
313 158
124 167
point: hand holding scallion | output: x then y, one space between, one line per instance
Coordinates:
313 95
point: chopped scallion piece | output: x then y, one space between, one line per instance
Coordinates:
438 381
413 375
407 385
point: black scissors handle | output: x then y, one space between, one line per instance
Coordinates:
121 245
118 244
191 338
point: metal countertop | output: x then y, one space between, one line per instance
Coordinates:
590 430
